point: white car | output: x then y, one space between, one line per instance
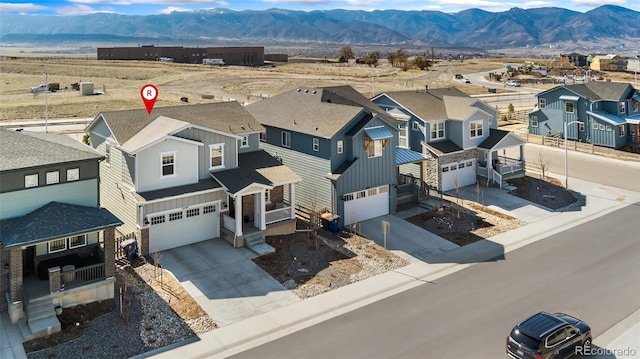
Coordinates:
513 83
40 88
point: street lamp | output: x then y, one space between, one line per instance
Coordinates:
566 154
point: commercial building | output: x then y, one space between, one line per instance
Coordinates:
245 56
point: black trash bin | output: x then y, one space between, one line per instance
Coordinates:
333 223
130 246
325 220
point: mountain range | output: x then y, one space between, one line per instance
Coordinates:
475 28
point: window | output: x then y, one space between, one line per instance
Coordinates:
415 126
286 139
157 219
534 121
107 154
445 169
437 130
267 196
57 245
78 241
383 189
374 149
216 153
30 181
568 107
316 144
601 127
340 146
208 209
470 163
193 212
476 129
402 135
168 164
622 107
348 197
244 142
608 128
73 174
53 177
581 126
461 165
543 103
263 136
175 216
595 126
636 106
372 191
361 194
621 129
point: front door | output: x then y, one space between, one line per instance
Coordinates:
28 263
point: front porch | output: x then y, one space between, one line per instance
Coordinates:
501 169
498 168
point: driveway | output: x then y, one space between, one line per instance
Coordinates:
225 281
405 239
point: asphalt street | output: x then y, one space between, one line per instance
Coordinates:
590 271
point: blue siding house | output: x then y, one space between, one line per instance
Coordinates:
459 135
602 113
340 143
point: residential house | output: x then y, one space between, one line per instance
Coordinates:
459 133
341 144
57 244
610 62
570 61
185 174
602 113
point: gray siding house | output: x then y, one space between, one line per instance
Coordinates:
458 133
186 174
340 143
602 113
57 245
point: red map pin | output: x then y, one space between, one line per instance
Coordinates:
149 94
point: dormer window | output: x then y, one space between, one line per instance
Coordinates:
476 129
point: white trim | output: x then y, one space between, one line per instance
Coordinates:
26 183
94 121
267 196
444 129
164 199
57 250
78 246
316 144
221 165
191 125
243 140
76 169
165 138
217 203
536 125
340 146
476 129
282 134
175 161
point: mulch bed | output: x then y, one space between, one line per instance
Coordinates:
550 193
454 224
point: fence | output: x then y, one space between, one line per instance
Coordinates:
582 147
120 252
81 276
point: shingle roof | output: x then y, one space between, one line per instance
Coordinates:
202 185
443 147
459 108
55 220
317 111
426 105
255 167
599 90
228 117
495 136
32 149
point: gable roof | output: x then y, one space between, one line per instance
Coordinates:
55 220
257 167
427 105
459 108
227 117
23 149
320 112
596 90
503 138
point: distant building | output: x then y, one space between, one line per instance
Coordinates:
608 62
574 58
245 56
276 57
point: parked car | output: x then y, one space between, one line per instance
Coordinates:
547 336
513 83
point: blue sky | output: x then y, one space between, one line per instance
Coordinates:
148 7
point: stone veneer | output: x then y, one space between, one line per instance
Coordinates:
434 174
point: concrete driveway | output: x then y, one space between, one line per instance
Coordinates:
225 281
405 239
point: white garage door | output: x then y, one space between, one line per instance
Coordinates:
369 203
184 226
458 174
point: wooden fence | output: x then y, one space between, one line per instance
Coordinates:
582 147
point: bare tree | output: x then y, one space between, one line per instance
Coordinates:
544 163
421 62
346 54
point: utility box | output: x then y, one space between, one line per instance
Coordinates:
86 88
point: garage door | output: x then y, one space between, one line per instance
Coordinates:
458 174
184 226
369 203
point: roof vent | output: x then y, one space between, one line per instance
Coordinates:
297 90
313 92
316 129
307 90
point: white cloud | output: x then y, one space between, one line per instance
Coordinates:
300 2
75 10
536 4
597 3
103 2
469 4
26 7
171 9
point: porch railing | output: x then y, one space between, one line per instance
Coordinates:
511 166
229 223
81 276
497 177
277 215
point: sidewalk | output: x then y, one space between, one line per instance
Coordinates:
266 327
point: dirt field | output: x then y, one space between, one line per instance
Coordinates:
121 82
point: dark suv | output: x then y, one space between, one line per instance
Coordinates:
548 336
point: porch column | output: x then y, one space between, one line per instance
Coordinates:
238 213
15 274
292 199
423 174
522 155
260 211
109 252
489 166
